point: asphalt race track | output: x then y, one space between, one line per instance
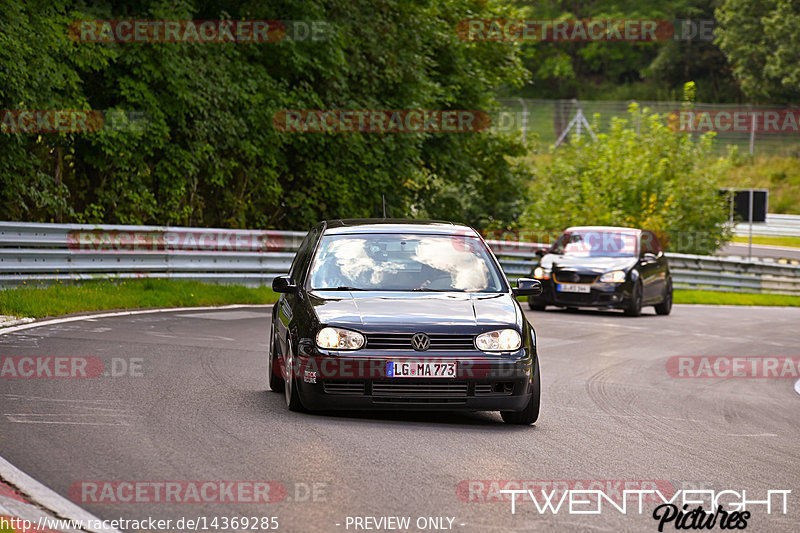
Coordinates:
195 408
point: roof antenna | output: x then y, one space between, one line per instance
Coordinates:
383 196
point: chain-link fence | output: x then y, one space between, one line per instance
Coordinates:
758 130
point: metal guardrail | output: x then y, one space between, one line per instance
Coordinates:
775 226
725 274
46 253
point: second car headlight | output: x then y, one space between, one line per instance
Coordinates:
339 339
541 273
615 276
501 340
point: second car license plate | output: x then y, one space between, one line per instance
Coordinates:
573 287
420 369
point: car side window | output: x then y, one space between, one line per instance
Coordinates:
302 254
648 243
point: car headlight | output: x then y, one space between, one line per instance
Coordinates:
541 273
339 339
615 276
501 340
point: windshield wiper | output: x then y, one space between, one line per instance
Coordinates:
340 288
426 289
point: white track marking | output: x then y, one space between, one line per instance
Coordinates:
46 497
36 491
53 321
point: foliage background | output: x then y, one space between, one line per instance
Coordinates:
205 153
641 174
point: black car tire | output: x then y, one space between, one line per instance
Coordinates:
634 305
665 306
530 414
535 306
276 383
293 401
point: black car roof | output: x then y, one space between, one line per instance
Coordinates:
395 225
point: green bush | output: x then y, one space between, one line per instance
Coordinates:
641 174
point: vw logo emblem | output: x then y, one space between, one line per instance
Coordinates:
420 342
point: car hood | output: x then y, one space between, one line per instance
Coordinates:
595 265
410 310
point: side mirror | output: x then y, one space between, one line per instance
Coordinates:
541 252
283 284
648 258
527 287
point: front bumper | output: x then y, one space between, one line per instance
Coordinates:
482 383
601 295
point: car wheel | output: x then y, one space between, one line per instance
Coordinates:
530 414
665 306
290 389
534 306
634 306
276 383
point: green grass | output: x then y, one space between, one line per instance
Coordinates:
130 294
686 296
105 295
781 175
774 241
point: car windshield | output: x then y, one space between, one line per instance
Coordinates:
597 243
400 262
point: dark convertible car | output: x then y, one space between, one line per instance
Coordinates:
397 314
604 267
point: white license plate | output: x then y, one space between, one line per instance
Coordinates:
420 369
573 287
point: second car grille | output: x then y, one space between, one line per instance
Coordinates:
402 341
573 277
573 298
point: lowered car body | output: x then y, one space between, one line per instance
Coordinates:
388 314
604 267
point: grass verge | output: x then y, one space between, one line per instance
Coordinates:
132 294
771 241
688 296
128 294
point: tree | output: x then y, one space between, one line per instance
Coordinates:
197 144
640 174
761 41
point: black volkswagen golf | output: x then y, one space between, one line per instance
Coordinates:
605 267
398 314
